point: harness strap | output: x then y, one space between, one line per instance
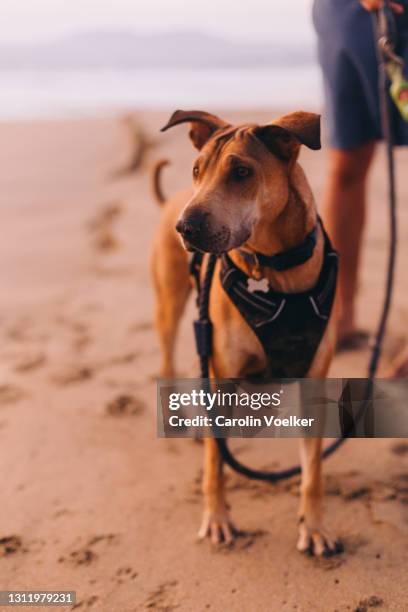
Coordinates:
203 325
195 268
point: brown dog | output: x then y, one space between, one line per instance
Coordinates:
249 192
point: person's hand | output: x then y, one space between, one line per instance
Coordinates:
374 5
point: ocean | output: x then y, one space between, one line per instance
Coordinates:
48 94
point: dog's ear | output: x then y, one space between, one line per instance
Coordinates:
285 135
203 125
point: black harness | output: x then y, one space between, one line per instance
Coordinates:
290 326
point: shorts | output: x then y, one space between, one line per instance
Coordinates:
348 59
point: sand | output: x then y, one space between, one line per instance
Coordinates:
91 500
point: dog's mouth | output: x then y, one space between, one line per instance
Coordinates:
189 246
217 243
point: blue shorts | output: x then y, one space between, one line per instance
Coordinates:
348 58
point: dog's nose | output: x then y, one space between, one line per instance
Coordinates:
189 228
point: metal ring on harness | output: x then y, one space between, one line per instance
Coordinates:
203 326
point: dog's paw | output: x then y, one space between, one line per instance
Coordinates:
218 527
317 542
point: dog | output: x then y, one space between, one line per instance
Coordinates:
249 196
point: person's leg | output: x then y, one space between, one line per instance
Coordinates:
344 209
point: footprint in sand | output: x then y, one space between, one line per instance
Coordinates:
20 330
163 598
86 554
81 342
85 604
9 394
30 362
124 405
400 449
73 374
101 227
124 573
108 538
81 337
24 330
367 604
10 545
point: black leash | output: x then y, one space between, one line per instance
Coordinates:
384 26
203 326
384 29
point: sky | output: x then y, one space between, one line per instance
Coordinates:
27 21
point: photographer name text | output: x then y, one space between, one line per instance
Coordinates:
246 421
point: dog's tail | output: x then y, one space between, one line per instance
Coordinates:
155 180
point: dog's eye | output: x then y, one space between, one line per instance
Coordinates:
196 171
241 172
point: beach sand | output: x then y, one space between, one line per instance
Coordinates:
91 500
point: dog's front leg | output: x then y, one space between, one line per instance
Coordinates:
216 522
312 536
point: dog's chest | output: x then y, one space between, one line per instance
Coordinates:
289 327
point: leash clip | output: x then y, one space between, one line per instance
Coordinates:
387 49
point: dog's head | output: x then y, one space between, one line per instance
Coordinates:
240 176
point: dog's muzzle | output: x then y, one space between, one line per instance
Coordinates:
190 229
197 233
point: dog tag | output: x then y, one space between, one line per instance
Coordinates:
257 285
